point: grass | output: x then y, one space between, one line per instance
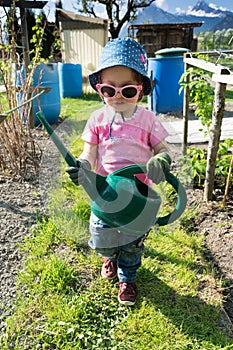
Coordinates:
64 304
71 107
229 95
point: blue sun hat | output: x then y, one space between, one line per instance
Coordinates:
123 52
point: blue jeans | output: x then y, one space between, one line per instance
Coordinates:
127 256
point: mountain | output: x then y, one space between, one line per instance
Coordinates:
154 14
213 18
203 7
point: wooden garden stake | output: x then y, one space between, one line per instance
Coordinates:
185 113
215 133
228 182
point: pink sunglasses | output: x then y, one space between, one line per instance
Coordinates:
127 91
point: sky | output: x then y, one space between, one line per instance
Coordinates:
172 6
176 5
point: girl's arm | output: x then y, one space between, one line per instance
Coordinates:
89 153
161 147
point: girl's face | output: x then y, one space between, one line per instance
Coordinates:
119 77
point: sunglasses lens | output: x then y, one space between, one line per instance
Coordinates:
107 91
129 92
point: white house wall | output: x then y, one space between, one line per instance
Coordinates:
83 47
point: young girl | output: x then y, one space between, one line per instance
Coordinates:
120 134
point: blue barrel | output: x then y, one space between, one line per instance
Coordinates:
165 71
45 76
70 79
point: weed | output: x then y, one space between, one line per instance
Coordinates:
193 169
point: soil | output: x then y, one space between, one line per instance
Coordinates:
20 204
215 223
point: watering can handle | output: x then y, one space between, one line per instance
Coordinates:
131 170
181 200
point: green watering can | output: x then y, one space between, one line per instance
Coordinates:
120 199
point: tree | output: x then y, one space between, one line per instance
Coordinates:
118 11
49 48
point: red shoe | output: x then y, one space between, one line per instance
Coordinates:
109 269
127 293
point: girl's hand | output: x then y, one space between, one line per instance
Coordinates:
77 174
157 166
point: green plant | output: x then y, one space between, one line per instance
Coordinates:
229 95
197 82
193 165
201 92
223 161
37 39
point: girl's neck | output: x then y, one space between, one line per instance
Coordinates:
130 113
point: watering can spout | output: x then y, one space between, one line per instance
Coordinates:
121 199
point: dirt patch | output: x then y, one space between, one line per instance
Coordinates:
215 223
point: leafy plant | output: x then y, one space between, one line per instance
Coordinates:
223 161
202 95
193 167
201 92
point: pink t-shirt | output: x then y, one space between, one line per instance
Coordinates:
123 142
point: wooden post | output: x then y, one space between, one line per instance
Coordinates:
185 113
26 57
215 133
152 91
